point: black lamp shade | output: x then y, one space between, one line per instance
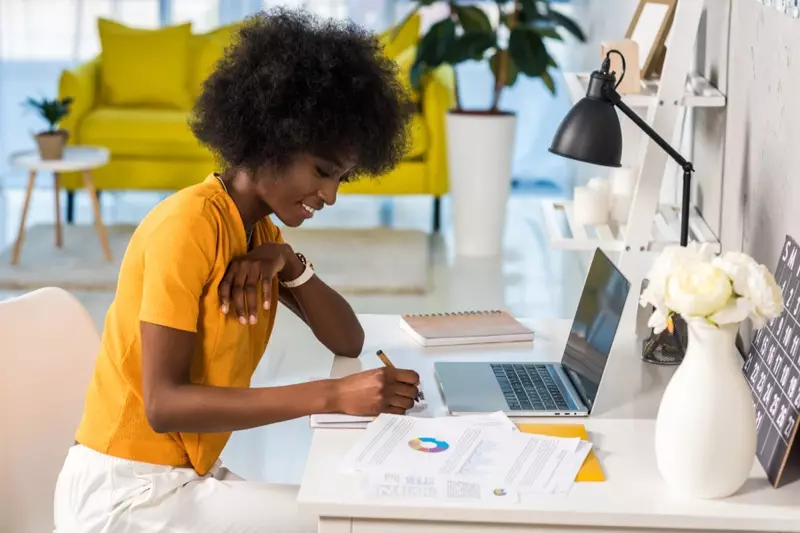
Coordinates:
590 133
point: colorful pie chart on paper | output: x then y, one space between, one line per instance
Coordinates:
428 445
499 492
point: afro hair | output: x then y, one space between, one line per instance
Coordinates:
295 83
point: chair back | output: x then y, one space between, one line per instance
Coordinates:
48 345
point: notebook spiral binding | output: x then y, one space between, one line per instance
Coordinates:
457 313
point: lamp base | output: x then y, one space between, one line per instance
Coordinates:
666 348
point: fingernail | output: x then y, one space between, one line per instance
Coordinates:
252 319
266 304
242 320
224 309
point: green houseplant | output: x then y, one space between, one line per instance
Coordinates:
52 141
480 142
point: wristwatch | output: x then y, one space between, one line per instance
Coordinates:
307 274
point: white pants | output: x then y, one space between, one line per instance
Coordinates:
97 493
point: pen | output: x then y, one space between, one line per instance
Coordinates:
385 360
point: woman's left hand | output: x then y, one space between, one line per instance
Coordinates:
240 283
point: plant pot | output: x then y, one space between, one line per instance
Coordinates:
705 439
479 150
51 144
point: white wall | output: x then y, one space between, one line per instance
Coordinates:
761 161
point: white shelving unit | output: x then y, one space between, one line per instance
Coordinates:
565 234
698 92
651 224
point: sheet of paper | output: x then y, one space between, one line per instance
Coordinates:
380 485
432 446
526 463
564 476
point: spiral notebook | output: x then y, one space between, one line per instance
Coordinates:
468 327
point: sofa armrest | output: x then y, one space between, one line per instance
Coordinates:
438 97
80 84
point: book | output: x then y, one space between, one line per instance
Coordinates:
467 327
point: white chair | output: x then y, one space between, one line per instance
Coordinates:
48 345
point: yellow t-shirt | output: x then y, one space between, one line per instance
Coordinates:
170 276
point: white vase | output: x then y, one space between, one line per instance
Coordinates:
705 439
479 151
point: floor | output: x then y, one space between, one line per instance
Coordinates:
529 279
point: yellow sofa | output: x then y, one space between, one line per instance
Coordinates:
152 147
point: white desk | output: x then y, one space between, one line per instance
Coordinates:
633 497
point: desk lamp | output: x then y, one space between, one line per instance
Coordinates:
591 133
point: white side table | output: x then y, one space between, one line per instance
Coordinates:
76 159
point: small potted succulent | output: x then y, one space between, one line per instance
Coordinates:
51 142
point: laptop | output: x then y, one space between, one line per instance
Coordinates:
567 388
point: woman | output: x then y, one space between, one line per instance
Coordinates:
295 107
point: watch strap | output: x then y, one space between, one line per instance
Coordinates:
307 274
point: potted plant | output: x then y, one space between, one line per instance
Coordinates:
480 142
705 438
51 142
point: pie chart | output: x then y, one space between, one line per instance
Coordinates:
428 445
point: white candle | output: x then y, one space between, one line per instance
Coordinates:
621 207
623 181
590 206
603 186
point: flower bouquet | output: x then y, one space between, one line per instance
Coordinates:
705 430
728 289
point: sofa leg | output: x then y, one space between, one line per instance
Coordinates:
437 213
70 207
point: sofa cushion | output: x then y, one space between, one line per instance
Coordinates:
164 133
145 67
207 49
143 132
407 35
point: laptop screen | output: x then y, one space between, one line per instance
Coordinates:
595 326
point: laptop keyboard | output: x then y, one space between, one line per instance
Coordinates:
529 387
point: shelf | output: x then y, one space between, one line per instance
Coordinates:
565 234
699 92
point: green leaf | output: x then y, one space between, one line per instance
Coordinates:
551 62
415 75
548 82
473 18
528 51
511 67
567 23
434 47
550 33
471 45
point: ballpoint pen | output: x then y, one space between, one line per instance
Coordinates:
385 360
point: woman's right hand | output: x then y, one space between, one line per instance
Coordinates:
382 390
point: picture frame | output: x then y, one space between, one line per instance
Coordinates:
650 27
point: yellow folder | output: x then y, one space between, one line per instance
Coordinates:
591 469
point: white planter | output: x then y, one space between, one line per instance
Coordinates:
705 439
479 149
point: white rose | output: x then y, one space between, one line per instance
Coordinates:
736 311
736 265
697 289
664 266
765 295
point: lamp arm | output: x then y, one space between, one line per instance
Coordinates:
614 97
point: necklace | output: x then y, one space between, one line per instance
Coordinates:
249 233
